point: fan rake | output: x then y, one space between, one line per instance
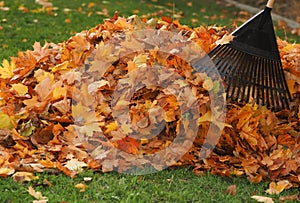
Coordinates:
250 64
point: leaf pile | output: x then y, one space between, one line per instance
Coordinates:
57 109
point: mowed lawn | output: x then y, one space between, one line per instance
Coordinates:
22 22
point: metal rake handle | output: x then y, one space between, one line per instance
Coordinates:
270 3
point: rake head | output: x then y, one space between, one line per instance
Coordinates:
250 64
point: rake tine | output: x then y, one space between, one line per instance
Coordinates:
244 82
247 63
236 82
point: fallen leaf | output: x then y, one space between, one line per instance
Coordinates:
81 186
20 89
277 188
7 121
262 199
75 165
226 39
7 69
24 177
36 195
231 190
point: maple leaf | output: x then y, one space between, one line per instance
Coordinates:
226 39
75 165
40 53
129 145
7 69
25 63
20 89
78 45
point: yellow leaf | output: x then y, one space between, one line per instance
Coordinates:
140 59
209 117
24 177
6 121
81 186
277 188
83 114
6 171
20 89
60 67
41 75
7 69
90 128
59 92
131 66
111 127
208 84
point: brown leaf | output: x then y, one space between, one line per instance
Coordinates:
231 190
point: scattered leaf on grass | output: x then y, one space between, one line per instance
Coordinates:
81 186
277 188
231 190
37 195
263 199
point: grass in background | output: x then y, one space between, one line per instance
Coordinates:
26 22
179 185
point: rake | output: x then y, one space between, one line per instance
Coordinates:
250 64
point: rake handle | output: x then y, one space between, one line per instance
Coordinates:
270 3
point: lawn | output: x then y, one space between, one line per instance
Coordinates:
178 185
23 22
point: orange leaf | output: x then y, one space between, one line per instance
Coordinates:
129 145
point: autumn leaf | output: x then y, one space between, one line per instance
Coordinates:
277 188
37 195
7 69
6 171
226 39
262 199
40 53
7 121
20 89
231 190
75 165
81 186
22 177
128 145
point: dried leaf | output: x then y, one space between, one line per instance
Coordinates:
262 199
7 69
24 177
36 195
277 188
226 39
81 186
75 165
231 190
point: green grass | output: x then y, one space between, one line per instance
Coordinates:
21 29
179 185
